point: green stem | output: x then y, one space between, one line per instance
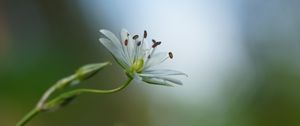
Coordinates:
70 94
28 117
56 101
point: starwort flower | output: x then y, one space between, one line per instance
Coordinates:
132 53
138 58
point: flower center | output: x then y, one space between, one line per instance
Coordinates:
137 66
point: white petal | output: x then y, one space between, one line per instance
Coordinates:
172 80
124 34
161 72
131 48
115 51
157 81
156 59
112 37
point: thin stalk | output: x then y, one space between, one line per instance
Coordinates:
35 111
56 101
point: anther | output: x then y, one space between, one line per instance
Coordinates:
145 34
153 41
135 37
139 43
126 42
156 44
171 55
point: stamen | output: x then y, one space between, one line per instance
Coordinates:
135 37
171 55
145 34
126 42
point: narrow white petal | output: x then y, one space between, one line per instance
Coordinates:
115 51
173 80
157 81
110 46
161 72
156 59
112 37
131 48
124 34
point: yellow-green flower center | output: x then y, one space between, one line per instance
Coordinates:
137 66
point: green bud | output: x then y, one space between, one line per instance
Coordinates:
83 73
89 70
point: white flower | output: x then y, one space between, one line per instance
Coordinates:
138 59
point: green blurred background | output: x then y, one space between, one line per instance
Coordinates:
242 58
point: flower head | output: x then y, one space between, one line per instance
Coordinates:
138 58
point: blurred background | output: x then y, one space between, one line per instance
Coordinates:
242 58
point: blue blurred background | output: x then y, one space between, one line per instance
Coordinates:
242 58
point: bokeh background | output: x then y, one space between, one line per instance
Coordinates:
242 58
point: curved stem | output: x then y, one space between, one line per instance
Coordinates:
61 97
103 91
76 92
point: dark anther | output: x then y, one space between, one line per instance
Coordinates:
156 44
126 42
153 41
145 34
139 43
171 55
135 37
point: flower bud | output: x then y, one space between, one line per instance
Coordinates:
89 70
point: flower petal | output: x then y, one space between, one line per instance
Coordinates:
157 81
124 35
131 48
156 59
112 37
115 52
161 72
169 79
